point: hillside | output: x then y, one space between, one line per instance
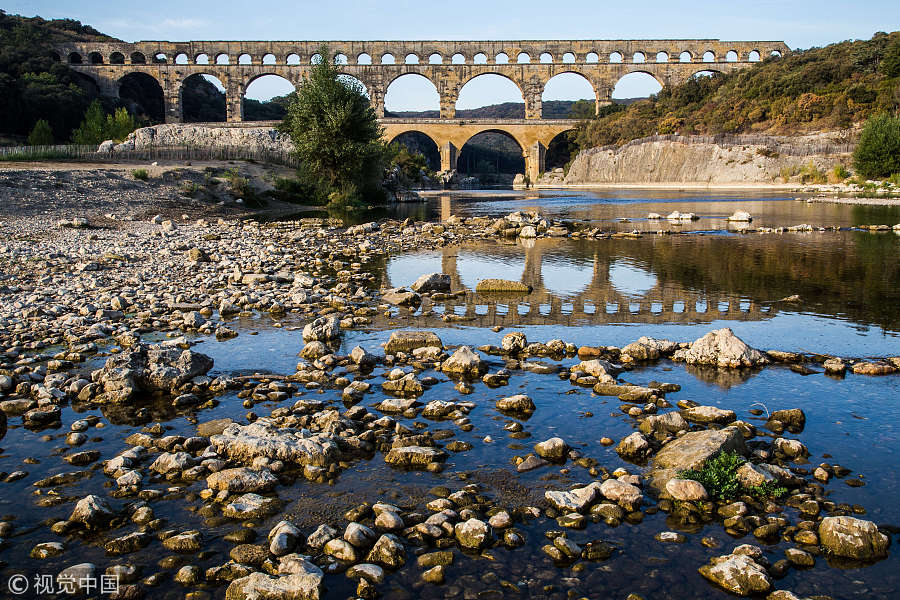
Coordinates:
32 84
820 89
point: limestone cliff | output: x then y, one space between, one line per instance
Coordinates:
204 136
677 162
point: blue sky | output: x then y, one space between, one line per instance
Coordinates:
800 24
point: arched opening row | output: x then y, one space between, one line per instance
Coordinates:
434 58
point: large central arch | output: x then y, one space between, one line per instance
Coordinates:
143 96
492 155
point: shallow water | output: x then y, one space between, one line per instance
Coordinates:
588 292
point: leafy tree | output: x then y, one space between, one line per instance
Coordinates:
91 130
41 134
118 125
336 135
890 64
878 151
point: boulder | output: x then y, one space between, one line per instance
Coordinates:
708 414
473 534
686 490
691 451
414 456
663 425
92 512
624 494
242 479
77 578
513 343
283 538
431 282
305 583
634 447
322 329
502 286
518 404
740 216
554 449
738 574
388 551
464 362
599 368
407 341
401 297
723 349
849 537
792 417
148 369
263 437
574 500
251 506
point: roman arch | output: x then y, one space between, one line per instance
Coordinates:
449 65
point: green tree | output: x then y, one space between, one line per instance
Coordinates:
118 125
91 130
336 135
41 134
890 64
878 152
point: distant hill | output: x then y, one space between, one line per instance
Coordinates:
820 89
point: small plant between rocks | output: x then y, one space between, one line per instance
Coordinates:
141 174
719 477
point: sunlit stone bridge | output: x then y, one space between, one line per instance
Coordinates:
448 65
592 296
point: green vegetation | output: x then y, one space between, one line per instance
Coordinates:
41 135
878 151
141 174
35 85
411 164
98 127
817 89
337 138
719 477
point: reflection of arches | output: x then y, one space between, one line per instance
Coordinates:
138 58
410 92
417 141
560 151
143 95
117 58
630 279
637 84
491 152
203 99
495 86
566 276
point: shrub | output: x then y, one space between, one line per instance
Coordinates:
719 476
878 152
810 174
240 186
141 174
41 134
839 173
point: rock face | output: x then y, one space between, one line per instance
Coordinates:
407 341
691 451
431 282
684 161
737 573
148 369
253 138
848 537
721 348
322 329
263 438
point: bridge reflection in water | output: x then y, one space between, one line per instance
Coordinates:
572 285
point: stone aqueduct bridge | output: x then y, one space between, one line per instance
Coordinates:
598 303
449 65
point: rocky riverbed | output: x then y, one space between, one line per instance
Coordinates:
417 467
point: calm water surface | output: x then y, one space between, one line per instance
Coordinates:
588 292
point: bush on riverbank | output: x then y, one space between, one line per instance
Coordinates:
878 151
